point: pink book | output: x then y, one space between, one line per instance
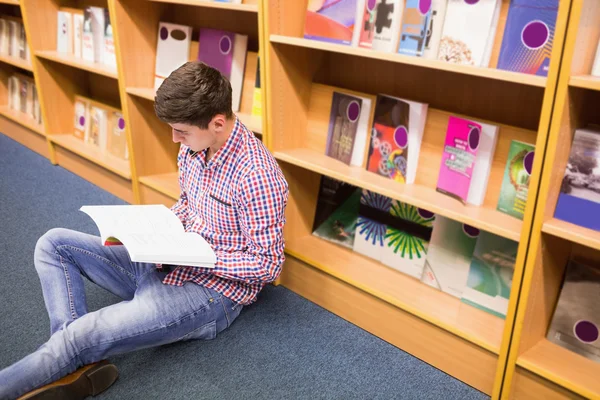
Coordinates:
225 51
367 25
458 160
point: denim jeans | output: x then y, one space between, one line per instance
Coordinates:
151 313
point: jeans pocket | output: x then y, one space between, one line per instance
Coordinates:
205 332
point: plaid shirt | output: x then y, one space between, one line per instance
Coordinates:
236 202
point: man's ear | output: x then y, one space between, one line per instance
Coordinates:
219 121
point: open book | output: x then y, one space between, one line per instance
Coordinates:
152 234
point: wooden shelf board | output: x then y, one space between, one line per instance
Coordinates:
13 2
213 4
167 184
253 123
480 217
585 81
574 233
490 73
402 291
16 62
79 63
93 154
563 367
23 119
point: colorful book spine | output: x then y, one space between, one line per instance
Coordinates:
528 36
579 197
415 25
343 124
330 20
458 159
517 174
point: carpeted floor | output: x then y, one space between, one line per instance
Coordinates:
282 347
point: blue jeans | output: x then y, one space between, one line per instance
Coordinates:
151 313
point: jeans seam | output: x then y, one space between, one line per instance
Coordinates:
104 259
225 311
69 286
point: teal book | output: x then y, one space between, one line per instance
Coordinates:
517 174
337 212
491 274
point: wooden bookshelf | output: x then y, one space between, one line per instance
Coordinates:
305 73
16 62
536 365
247 6
22 119
167 184
76 62
11 2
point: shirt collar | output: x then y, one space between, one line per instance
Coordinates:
227 149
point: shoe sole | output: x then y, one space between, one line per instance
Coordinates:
90 383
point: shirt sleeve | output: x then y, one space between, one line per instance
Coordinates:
261 201
181 207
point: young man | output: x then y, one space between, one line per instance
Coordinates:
232 193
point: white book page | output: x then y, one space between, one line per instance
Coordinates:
180 249
362 131
117 221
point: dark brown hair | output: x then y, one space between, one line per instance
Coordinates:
193 94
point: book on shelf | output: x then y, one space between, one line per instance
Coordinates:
4 37
108 41
407 238
87 37
13 36
64 31
117 140
172 50
469 32
82 118
257 92
348 128
14 98
151 234
449 255
98 127
37 111
515 183
437 14
374 210
24 53
415 27
337 211
98 23
596 65
364 29
388 18
467 160
528 36
579 197
77 33
330 20
490 274
575 324
396 136
225 51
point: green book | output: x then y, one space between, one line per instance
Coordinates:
517 174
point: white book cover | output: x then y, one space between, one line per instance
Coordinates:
23 47
152 234
110 57
37 112
13 93
388 21
87 43
13 38
436 25
407 238
63 32
4 37
97 14
172 50
362 133
82 118
449 255
30 92
483 163
360 10
416 127
23 85
596 66
78 35
468 30
98 127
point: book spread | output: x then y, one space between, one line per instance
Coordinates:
151 234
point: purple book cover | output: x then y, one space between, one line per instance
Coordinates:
458 160
216 49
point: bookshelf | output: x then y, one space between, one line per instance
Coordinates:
535 364
154 155
379 299
15 124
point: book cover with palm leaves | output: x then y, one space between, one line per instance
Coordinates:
407 238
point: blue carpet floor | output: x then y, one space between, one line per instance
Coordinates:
281 347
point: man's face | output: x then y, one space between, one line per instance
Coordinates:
195 138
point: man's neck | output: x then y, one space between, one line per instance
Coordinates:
222 140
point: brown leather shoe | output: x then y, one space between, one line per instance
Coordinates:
88 380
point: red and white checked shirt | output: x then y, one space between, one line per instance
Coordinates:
237 203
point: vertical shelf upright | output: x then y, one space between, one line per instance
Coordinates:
154 155
463 341
537 368
15 124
